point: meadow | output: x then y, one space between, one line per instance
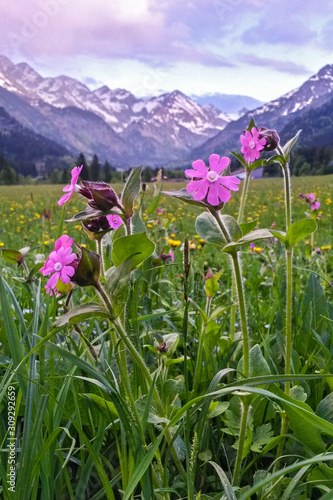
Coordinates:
148 403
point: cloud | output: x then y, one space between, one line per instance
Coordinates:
291 32
327 35
131 29
281 66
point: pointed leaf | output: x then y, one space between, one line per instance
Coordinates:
289 145
247 227
131 190
300 230
232 227
257 234
82 313
184 195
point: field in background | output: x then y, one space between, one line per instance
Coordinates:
22 222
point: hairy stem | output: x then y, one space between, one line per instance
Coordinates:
198 364
246 348
239 220
99 246
289 300
242 437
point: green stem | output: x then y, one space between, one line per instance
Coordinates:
99 245
246 349
244 196
289 300
242 437
239 220
289 255
136 358
198 364
242 311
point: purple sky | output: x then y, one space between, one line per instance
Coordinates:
261 48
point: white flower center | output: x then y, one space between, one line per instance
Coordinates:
212 176
57 266
252 144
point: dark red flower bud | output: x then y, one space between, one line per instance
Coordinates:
101 196
163 347
271 136
99 225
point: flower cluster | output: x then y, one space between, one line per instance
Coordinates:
208 184
61 264
100 196
252 143
311 200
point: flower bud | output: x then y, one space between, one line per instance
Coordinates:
101 196
272 138
96 228
88 269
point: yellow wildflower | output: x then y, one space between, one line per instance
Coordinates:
2 244
326 247
174 243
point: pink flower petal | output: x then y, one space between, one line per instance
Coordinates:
195 173
63 199
218 164
229 182
67 188
199 165
213 194
198 188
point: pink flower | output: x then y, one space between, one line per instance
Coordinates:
310 198
160 210
58 264
114 221
209 183
252 145
171 255
70 188
315 205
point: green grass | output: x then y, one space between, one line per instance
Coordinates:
84 435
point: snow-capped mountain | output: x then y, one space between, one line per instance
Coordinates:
115 122
275 114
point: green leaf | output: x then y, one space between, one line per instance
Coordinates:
305 431
280 235
117 284
257 234
261 436
289 145
217 408
11 256
137 224
137 245
258 364
251 125
300 230
107 406
297 392
82 313
228 489
255 164
232 227
212 285
240 158
208 229
131 190
184 195
275 159
247 227
325 408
